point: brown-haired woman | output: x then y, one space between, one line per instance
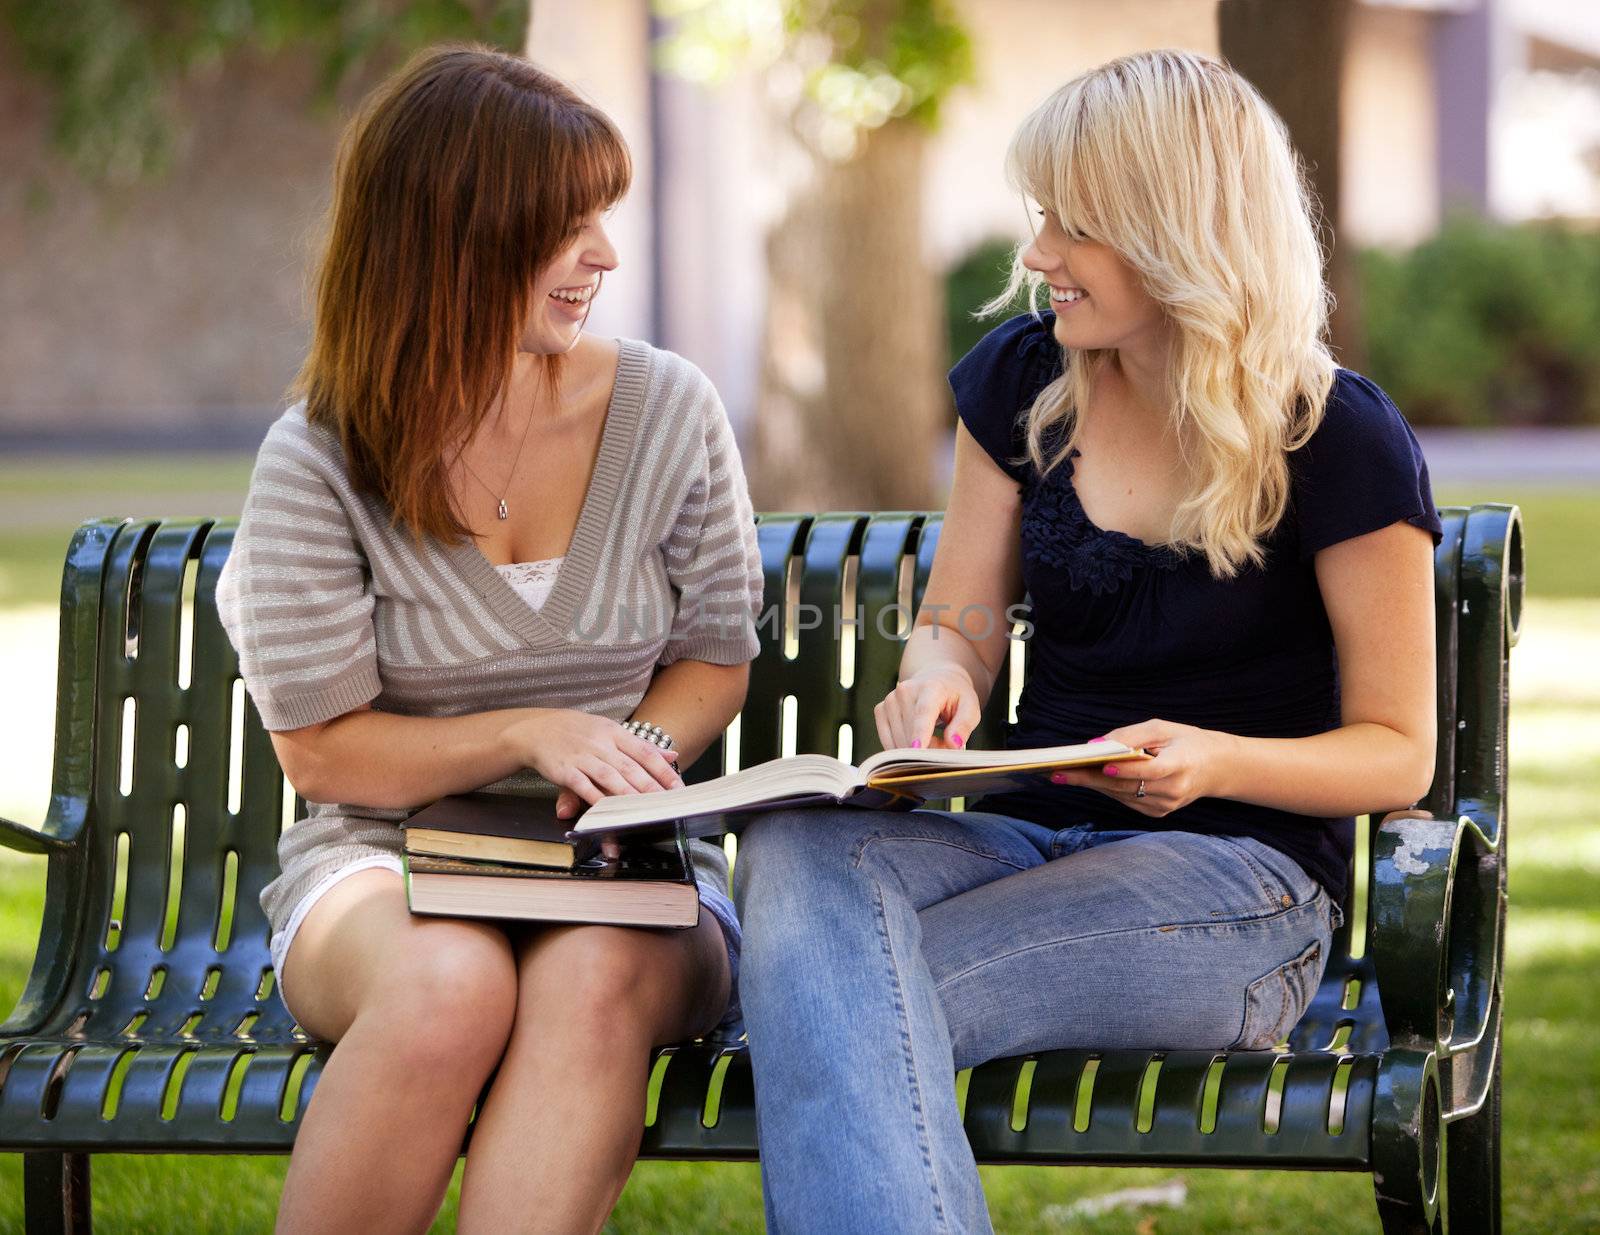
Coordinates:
480 543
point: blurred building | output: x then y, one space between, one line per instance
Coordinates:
176 308
1485 105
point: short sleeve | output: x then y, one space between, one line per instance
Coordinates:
997 381
712 557
1361 470
295 594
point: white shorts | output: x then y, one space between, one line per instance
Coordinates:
729 1028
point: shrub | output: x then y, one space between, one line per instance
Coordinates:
971 281
1487 324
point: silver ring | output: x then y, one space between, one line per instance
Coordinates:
1139 792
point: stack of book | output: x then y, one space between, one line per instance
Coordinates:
505 855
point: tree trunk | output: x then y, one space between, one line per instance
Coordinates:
1292 51
852 401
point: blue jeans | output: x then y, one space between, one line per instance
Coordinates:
883 952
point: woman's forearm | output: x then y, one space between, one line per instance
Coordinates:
1355 769
694 700
379 759
932 644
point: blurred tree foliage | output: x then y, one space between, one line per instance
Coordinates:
1488 324
112 66
859 63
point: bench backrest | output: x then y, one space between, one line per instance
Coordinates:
161 758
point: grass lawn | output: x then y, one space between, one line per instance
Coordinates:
1552 1060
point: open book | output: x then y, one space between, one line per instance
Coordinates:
891 779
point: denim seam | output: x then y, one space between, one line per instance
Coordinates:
1282 985
1125 930
923 1141
861 849
1262 875
1286 995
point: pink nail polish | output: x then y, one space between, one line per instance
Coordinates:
916 742
1111 770
958 740
1058 778
1101 738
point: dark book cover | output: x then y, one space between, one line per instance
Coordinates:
668 862
496 826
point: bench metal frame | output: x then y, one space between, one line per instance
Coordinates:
141 1031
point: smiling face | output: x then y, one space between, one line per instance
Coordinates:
565 290
1098 299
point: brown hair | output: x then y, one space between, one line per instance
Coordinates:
458 180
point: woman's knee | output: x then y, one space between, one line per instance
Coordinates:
783 851
605 984
448 996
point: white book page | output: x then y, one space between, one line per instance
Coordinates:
911 761
777 779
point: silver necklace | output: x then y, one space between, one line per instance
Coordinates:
501 511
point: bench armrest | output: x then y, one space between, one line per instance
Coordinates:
63 826
24 839
58 932
1414 858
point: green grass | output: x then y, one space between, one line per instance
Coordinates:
42 498
1552 1055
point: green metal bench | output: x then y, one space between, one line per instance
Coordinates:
149 1022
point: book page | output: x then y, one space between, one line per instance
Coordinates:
913 761
778 780
971 782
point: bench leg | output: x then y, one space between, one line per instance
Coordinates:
55 1193
1474 1198
1410 1167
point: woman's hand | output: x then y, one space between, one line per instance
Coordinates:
942 692
1187 763
589 757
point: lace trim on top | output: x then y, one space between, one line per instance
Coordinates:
532 580
1057 533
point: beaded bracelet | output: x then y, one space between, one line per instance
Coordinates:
654 734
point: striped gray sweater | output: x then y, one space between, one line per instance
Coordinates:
330 607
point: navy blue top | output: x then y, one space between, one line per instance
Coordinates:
1126 631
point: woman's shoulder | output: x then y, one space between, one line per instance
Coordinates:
677 399
1019 353
673 378
301 467
997 381
1361 468
295 441
1360 424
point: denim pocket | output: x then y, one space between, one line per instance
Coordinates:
1275 1001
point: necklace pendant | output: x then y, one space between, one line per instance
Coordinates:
503 512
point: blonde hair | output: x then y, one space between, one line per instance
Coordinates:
1177 164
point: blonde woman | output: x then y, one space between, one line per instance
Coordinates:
484 541
1209 516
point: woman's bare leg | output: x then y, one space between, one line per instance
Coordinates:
560 1129
420 1009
